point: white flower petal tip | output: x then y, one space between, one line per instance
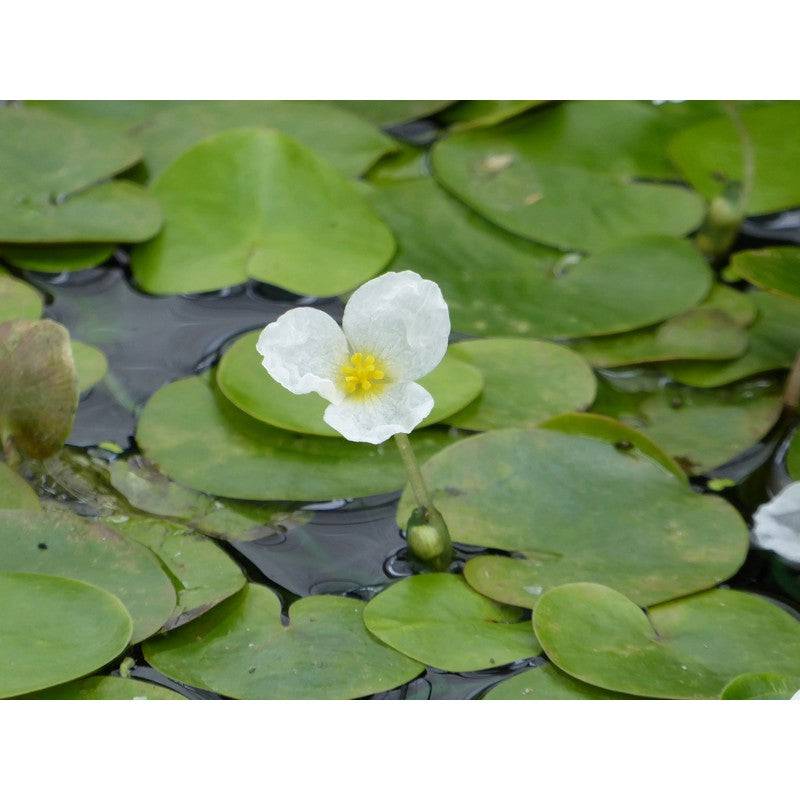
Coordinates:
396 330
776 524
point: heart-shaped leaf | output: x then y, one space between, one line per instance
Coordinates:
762 686
56 257
245 382
57 187
279 214
776 269
197 437
242 649
18 300
55 542
562 503
689 648
439 620
488 277
525 383
106 687
54 630
38 393
547 682
14 491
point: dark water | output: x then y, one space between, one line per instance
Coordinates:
348 547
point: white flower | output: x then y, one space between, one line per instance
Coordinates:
396 328
776 524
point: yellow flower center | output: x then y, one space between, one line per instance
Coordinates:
363 375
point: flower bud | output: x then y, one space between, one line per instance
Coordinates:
429 539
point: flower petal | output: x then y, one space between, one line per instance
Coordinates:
401 319
304 350
397 409
776 524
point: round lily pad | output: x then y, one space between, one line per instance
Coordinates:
18 300
562 503
106 687
242 649
542 177
245 382
57 187
57 257
122 115
776 269
200 439
14 491
525 382
280 215
342 138
439 620
547 682
91 365
688 648
55 542
483 113
710 155
696 334
762 686
488 277
700 429
393 112
54 630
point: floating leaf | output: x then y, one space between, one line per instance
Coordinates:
710 155
279 214
242 649
18 300
689 648
197 437
762 686
106 687
439 620
38 393
55 542
343 139
91 365
776 269
122 115
386 113
245 382
700 429
547 682
78 628
525 383
56 257
489 277
482 113
739 306
57 187
563 503
14 491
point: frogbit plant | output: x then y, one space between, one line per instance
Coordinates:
394 331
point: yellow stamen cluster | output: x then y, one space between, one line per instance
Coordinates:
362 374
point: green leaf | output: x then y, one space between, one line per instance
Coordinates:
197 437
562 502
106 687
469 114
91 365
793 457
341 138
245 382
548 683
18 300
38 393
269 209
774 343
91 552
57 257
697 334
700 429
386 113
689 648
488 277
776 269
57 187
122 115
710 155
439 620
14 491
78 628
242 649
525 383
761 686
739 306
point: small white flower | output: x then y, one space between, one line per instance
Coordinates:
776 524
396 328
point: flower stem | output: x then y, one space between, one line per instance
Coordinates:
428 536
